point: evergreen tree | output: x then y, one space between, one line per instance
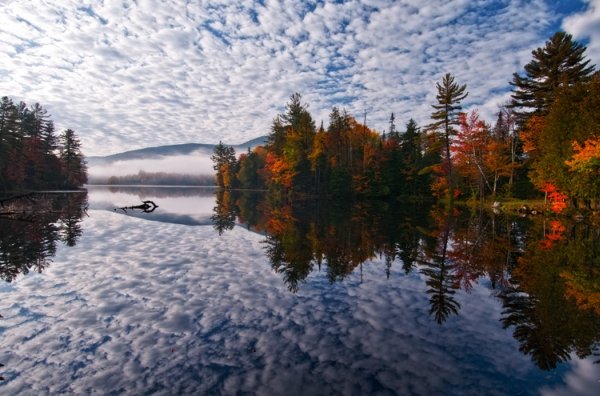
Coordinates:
410 148
449 96
73 162
393 132
561 62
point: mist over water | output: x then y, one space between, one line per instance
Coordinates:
193 164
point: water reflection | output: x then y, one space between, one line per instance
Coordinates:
31 229
546 273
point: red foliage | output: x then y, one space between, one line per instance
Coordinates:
558 200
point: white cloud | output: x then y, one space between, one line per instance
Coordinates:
127 75
586 25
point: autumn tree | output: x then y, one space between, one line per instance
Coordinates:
480 155
445 116
224 162
584 166
572 118
288 147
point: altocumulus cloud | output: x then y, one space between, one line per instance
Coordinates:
128 74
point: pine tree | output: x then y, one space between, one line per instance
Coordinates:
561 62
449 96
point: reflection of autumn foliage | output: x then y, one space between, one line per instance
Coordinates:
306 234
482 247
549 296
554 233
279 220
224 213
584 289
551 303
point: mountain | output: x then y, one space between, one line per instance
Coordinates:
179 164
170 150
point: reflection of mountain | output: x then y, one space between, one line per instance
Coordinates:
190 206
30 233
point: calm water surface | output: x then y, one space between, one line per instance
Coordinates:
224 294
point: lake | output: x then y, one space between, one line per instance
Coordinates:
223 293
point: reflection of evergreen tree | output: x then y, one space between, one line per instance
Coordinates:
293 262
28 238
548 294
225 212
441 281
546 346
75 208
548 303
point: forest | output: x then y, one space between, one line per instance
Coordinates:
156 179
544 142
32 155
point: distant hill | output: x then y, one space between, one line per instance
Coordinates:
170 150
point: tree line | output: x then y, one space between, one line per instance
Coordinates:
157 179
546 139
32 154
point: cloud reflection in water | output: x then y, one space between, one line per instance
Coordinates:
142 307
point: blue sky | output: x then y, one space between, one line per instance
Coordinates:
129 74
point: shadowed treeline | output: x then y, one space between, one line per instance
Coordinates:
30 231
544 272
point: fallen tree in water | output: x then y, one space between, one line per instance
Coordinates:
146 207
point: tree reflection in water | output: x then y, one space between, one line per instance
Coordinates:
30 231
546 273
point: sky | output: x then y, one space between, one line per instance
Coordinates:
127 74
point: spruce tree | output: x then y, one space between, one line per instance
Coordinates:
561 62
73 162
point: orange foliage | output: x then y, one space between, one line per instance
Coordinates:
439 186
280 170
585 293
586 158
532 132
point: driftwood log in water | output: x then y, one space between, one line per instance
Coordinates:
146 207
